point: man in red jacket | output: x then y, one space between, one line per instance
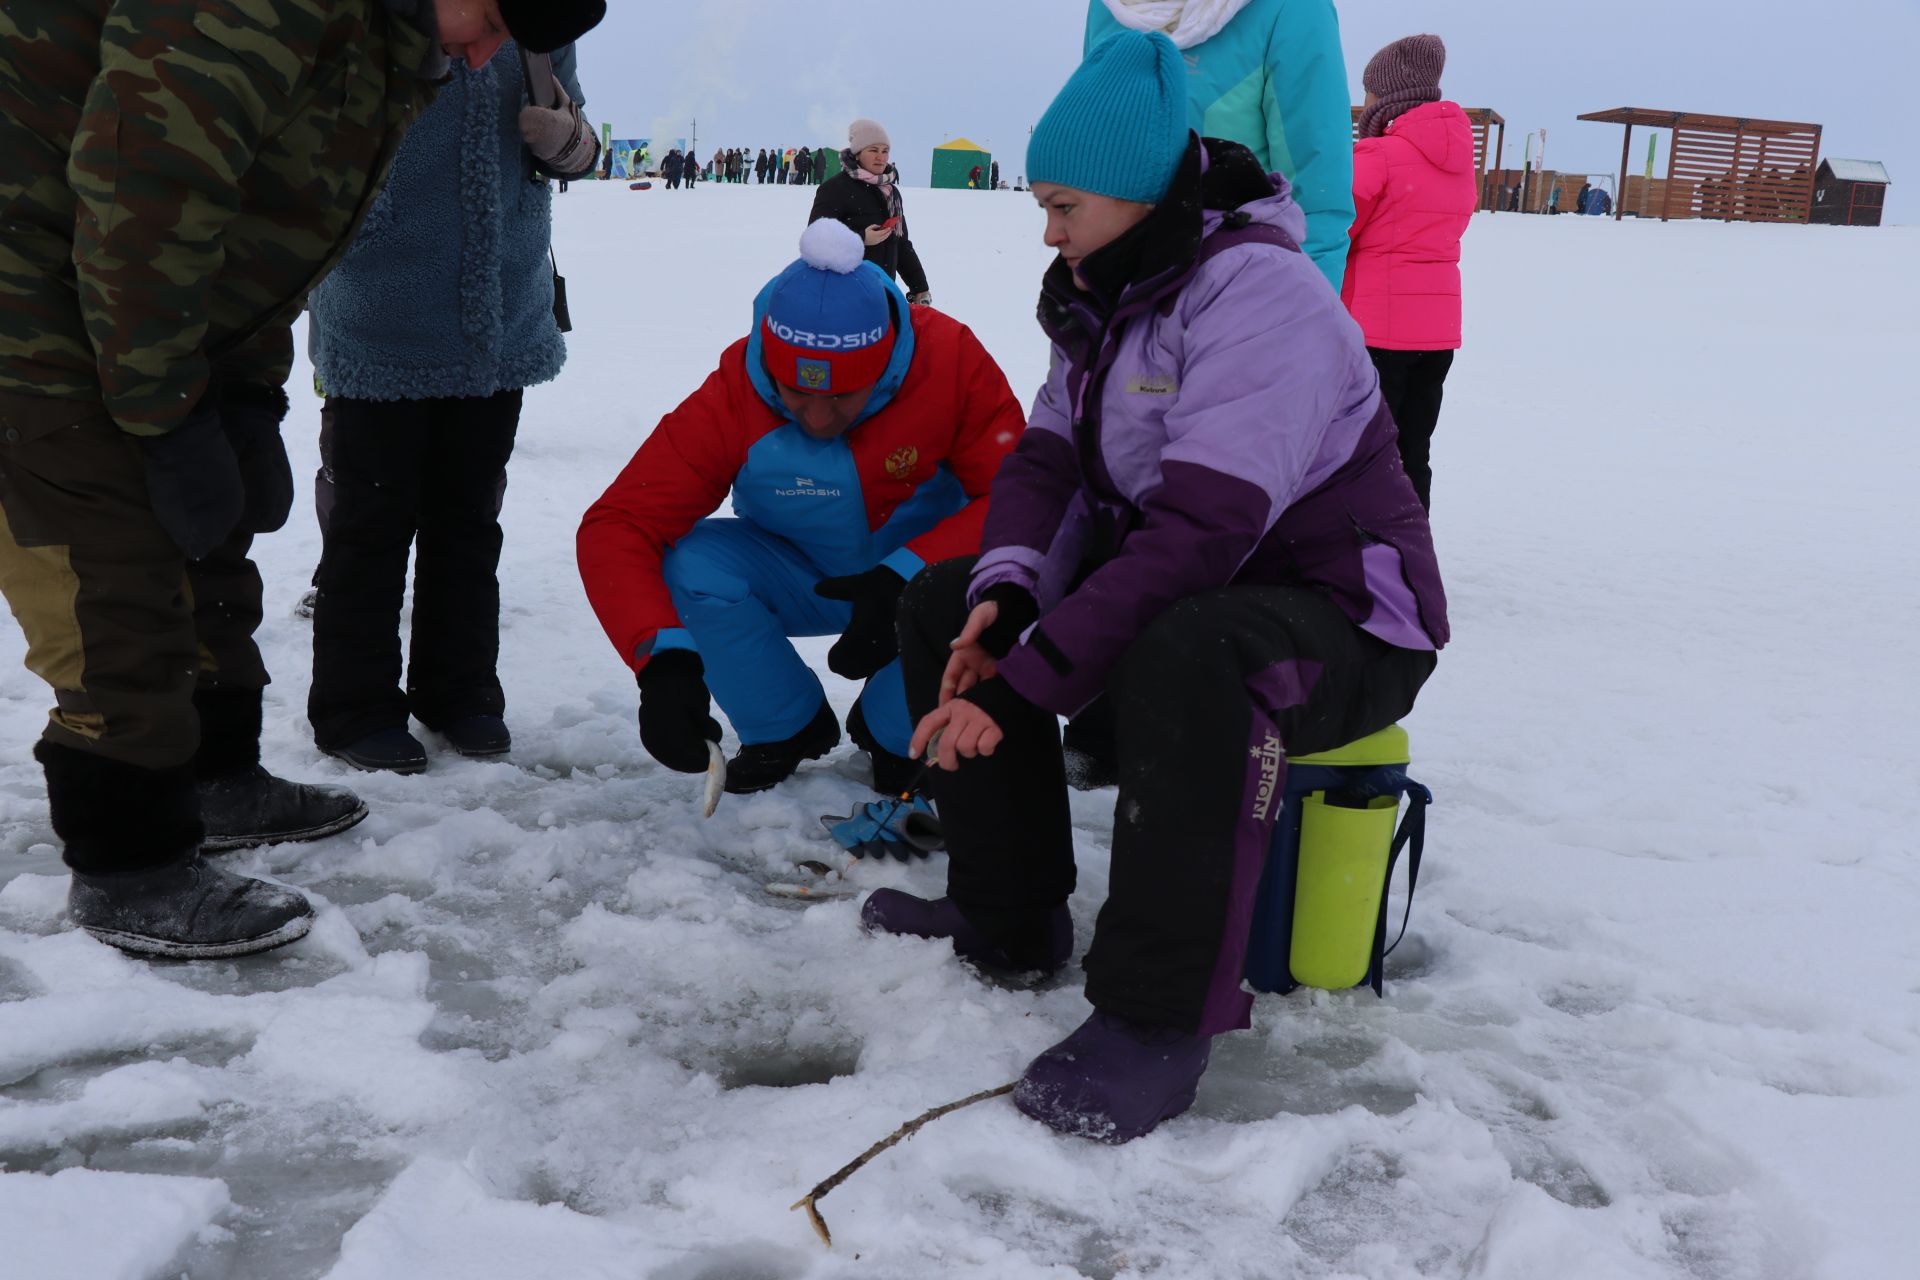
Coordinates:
859 437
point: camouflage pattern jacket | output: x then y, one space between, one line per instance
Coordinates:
179 176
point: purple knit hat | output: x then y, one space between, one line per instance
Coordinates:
1402 76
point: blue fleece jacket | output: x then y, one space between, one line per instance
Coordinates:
447 290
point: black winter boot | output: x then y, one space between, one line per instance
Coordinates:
189 910
383 751
892 775
138 883
764 765
478 736
243 805
242 810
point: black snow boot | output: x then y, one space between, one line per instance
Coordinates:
241 804
764 765
188 910
384 751
131 838
242 810
478 736
892 775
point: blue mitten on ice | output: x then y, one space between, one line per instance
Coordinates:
896 828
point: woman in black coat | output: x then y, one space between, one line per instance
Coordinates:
865 198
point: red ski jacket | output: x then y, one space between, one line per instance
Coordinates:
906 486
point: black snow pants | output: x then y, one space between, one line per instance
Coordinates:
420 474
323 489
1411 383
1206 700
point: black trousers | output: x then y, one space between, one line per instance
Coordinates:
1412 382
1210 695
323 489
423 474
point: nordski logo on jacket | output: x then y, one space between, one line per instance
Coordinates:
806 487
1271 759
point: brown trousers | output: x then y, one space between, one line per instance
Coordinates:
116 620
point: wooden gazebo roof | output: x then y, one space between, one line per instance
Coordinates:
1737 168
1696 120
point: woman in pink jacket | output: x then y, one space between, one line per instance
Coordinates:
1414 193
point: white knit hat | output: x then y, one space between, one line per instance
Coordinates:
864 133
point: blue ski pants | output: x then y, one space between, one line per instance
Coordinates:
741 592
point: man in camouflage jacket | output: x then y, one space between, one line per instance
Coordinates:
178 177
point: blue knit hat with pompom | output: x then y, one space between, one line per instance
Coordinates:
1119 126
829 323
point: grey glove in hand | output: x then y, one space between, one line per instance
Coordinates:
559 137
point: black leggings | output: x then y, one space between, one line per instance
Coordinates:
1412 383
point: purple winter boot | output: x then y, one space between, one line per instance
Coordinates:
891 911
1113 1080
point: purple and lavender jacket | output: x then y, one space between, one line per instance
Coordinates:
1228 419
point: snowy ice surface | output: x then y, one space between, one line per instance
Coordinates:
1659 1015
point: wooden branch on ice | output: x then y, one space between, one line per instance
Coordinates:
905 1131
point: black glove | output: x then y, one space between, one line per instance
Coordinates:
194 483
251 417
870 641
675 726
1018 611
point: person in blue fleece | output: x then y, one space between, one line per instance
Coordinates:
1269 75
424 338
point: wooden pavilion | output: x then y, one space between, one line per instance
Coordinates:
1732 168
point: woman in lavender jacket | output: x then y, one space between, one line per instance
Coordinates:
1208 525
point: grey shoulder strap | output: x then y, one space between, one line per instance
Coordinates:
540 81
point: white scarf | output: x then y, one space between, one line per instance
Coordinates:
1188 22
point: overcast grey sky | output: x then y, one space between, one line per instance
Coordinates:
765 72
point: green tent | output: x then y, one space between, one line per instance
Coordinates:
953 164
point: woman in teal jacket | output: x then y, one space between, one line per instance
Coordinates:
1269 75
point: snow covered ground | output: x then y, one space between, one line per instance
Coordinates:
1659 1015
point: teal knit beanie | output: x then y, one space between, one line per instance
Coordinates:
1119 126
